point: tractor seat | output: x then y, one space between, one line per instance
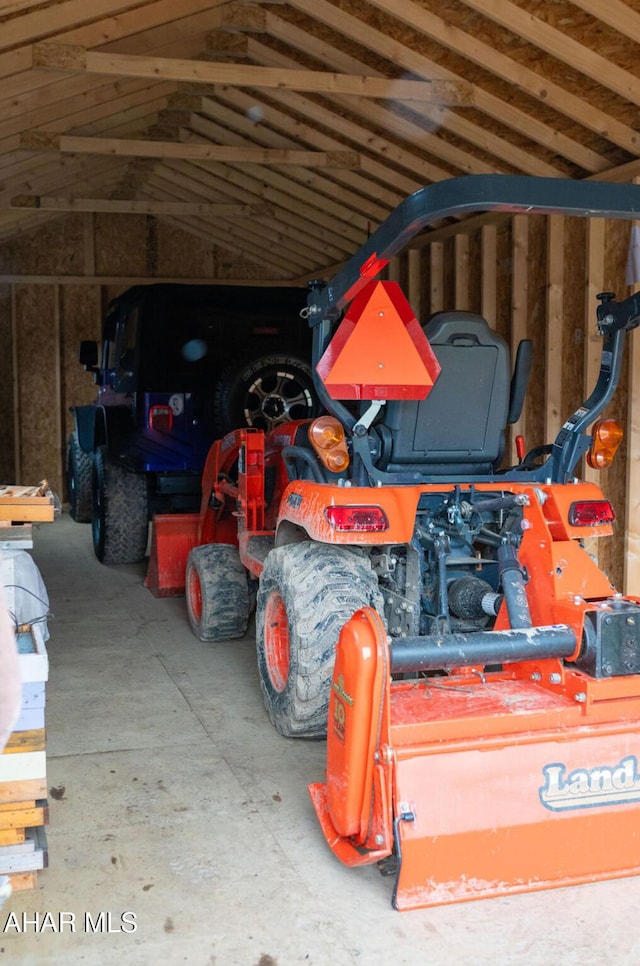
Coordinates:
460 427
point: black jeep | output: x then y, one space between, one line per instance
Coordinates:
180 366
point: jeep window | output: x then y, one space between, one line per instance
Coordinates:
179 347
127 351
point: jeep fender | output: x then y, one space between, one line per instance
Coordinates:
84 418
102 426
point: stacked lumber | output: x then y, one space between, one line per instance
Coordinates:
27 504
24 811
23 778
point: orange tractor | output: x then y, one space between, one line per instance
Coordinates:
432 611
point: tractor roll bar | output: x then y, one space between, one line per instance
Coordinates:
466 195
477 193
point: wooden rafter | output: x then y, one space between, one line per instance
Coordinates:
70 58
185 209
559 45
328 113
121 147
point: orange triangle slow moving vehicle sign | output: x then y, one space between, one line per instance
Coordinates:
379 350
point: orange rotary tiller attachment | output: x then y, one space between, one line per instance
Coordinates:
478 785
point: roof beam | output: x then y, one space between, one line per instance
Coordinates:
561 46
114 206
380 186
122 147
536 85
617 14
495 107
79 59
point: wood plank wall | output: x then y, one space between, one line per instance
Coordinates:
533 277
56 285
537 278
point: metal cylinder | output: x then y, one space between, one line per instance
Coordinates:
513 587
432 652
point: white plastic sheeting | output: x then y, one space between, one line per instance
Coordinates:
24 590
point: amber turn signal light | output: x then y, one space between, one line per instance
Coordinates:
328 440
606 437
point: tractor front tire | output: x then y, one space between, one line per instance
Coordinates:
79 474
307 593
218 593
120 516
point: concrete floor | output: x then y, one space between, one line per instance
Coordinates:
172 798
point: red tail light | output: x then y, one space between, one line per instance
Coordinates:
161 419
367 519
591 513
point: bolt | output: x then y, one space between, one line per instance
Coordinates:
555 678
379 839
536 676
607 669
631 621
580 697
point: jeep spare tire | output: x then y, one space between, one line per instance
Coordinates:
262 392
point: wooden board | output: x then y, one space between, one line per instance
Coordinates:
25 741
23 815
12 836
30 719
25 504
22 790
17 536
22 881
10 493
23 766
32 654
33 694
31 856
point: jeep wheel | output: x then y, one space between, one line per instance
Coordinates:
79 473
307 593
119 520
217 592
272 388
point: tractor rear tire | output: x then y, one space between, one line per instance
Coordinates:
79 474
307 593
217 592
120 516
